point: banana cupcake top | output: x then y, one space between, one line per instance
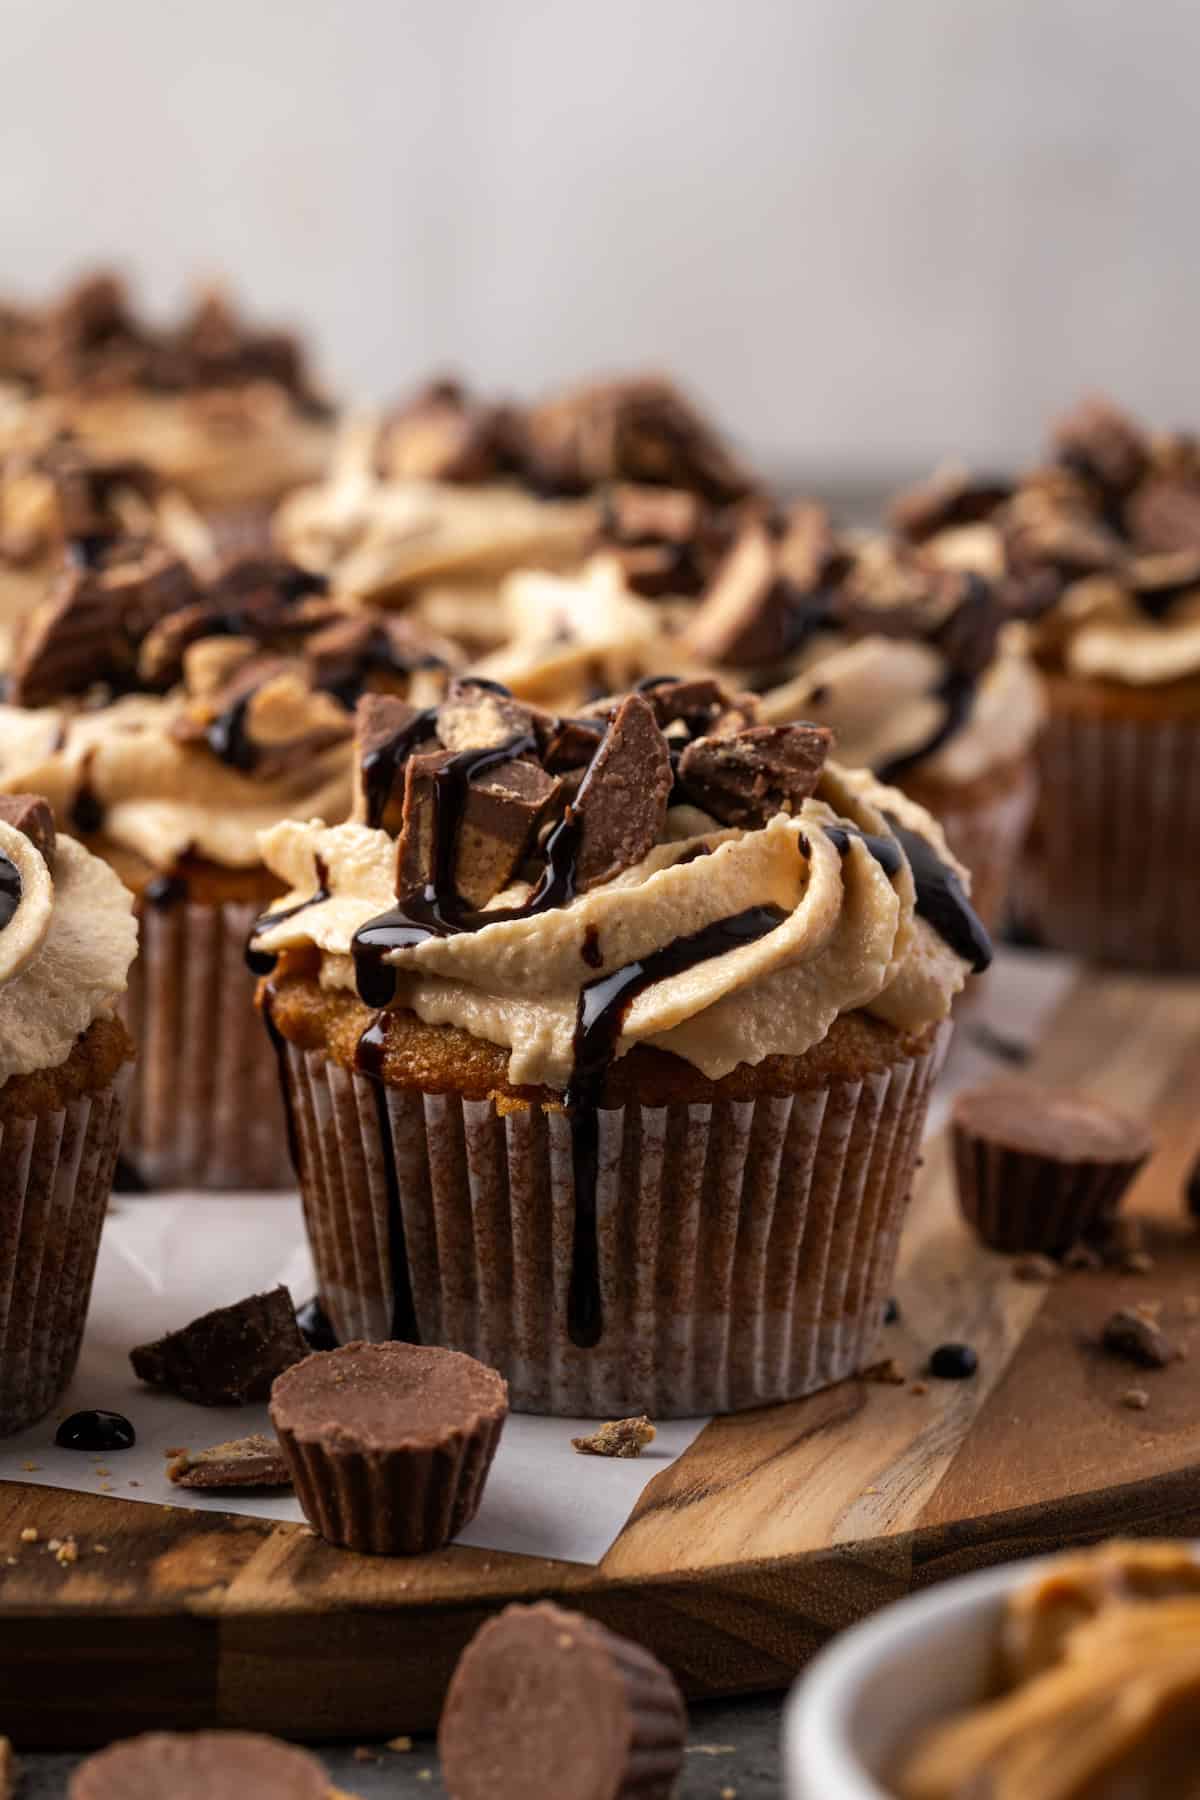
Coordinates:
172 718
227 413
67 938
663 870
1104 538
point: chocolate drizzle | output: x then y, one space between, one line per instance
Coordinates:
956 691
941 901
164 892
603 1005
10 890
368 1060
87 809
228 736
381 766
261 962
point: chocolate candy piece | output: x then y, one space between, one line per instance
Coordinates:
96 1430
547 1702
227 1357
249 1462
622 804
31 816
952 496
1138 1339
502 810
1038 1168
389 1444
444 434
201 1765
745 778
1163 515
1103 443
477 717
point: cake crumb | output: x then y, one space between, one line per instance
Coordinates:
1036 1268
100 1549
31 1468
176 1450
1136 1399
364 1755
67 1552
1136 1262
1081 1256
399 1743
918 1387
1126 1333
888 1372
1149 1309
620 1437
29 1535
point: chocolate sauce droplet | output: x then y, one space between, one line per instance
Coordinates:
128 1178
590 949
229 739
87 810
953 1362
942 901
599 1019
891 1312
97 1431
314 1325
165 891
10 890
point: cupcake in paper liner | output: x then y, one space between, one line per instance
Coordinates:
611 1065
389 1444
1041 1169
229 707
431 507
1101 549
67 938
546 1701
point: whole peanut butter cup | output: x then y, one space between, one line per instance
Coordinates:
1038 1169
389 1444
547 1702
200 1765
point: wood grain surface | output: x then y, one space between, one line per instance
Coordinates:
773 1531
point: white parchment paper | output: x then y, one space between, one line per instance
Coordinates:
166 1258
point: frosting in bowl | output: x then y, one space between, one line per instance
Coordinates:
65 949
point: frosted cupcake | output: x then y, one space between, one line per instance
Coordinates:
67 938
609 1041
169 723
224 412
1105 540
430 508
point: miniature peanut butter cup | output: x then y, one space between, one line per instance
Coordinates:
389 1444
200 1765
547 1702
1039 1169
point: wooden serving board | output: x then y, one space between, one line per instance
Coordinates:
775 1530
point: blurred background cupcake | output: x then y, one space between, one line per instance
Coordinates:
626 1038
170 717
67 939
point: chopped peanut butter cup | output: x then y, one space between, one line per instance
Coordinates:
1039 1169
547 1702
389 1444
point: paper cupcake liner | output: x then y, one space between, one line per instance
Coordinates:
746 1247
987 837
1112 868
1017 1202
205 1109
394 1502
56 1173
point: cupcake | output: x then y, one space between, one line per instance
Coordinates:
227 414
431 507
608 1042
67 938
170 721
1106 541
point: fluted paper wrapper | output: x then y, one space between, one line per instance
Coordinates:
393 1502
1016 1201
658 1722
205 1109
1112 868
987 837
56 1173
746 1247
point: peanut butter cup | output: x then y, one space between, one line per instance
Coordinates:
200 1765
1039 1169
389 1444
547 1702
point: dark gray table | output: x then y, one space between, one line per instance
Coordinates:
734 1749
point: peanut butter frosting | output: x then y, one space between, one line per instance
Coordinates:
1101 1672
67 938
805 910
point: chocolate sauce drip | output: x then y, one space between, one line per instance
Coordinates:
603 1005
261 962
368 1059
942 902
590 949
87 810
97 1431
279 1045
381 766
10 890
164 892
228 738
885 850
957 695
315 1327
649 682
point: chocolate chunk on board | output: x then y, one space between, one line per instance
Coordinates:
746 778
227 1357
31 816
622 803
249 1462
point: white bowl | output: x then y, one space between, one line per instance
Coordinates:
876 1687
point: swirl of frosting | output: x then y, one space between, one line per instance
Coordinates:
831 878
65 950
